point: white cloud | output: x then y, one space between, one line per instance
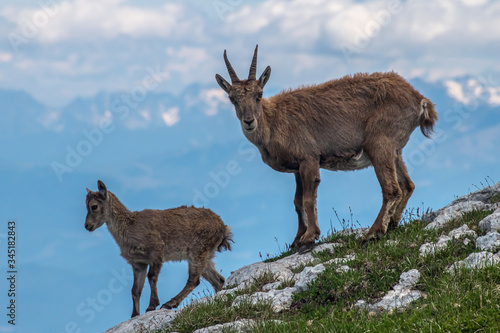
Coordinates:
474 91
494 96
474 3
94 116
6 57
170 116
90 20
51 121
301 22
185 63
139 120
454 89
213 99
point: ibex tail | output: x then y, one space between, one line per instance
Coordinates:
428 117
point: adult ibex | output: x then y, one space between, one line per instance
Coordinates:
151 237
344 124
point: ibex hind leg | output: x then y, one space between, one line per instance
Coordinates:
195 270
213 277
299 208
384 163
407 188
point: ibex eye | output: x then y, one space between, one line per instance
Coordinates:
94 207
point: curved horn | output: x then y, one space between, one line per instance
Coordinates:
232 73
253 67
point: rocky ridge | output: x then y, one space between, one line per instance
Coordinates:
294 273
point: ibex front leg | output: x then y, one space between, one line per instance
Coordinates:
154 271
309 173
140 271
299 208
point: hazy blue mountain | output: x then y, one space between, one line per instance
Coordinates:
20 114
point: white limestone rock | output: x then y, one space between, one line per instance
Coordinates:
148 322
393 300
392 242
238 326
408 280
279 299
272 285
442 242
241 325
359 232
400 296
463 231
330 247
491 222
476 261
338 261
490 241
246 275
308 275
455 210
343 260
431 248
342 269
478 200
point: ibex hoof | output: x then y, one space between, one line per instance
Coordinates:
364 242
370 238
169 305
306 248
392 225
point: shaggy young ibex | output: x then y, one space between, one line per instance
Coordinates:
151 237
344 124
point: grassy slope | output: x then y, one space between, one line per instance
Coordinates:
468 301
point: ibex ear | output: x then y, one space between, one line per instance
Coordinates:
265 76
223 83
102 189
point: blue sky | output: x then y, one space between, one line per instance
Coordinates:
131 87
